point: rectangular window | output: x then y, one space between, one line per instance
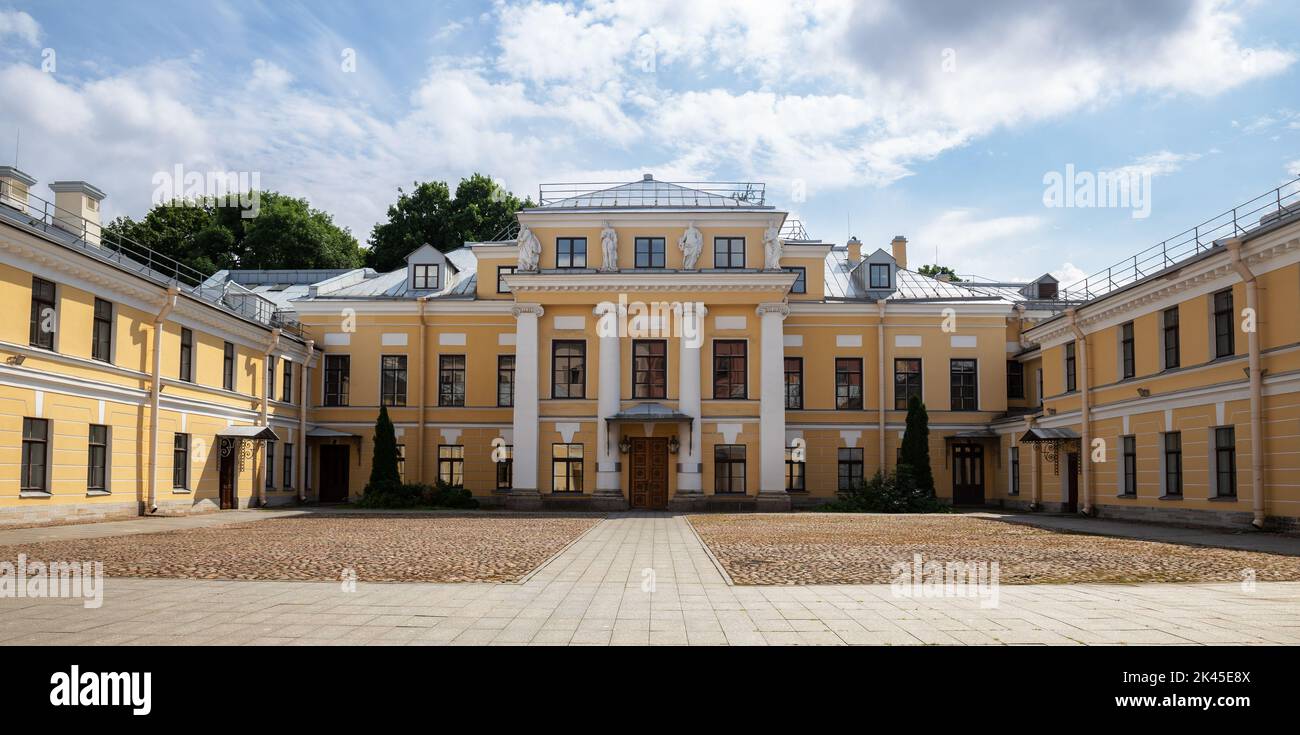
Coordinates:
1038 384
505 380
1015 379
566 468
1015 471
964 385
503 270
729 468
228 367
794 472
649 369
101 340
1223 326
451 380
338 369
401 462
286 381
392 380
36 452
729 369
907 381
848 383
1171 351
288 466
270 464
649 252
1173 463
728 252
187 356
570 252
451 464
1225 461
569 369
270 376
506 467
181 461
1130 486
424 277
800 278
850 468
880 275
44 314
794 382
1071 368
97 459
1127 366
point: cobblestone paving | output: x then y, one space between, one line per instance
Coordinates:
392 548
818 548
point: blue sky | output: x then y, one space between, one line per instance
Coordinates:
935 120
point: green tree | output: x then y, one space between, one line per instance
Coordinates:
915 451
934 271
429 213
383 461
286 233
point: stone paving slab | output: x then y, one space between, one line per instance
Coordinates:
853 548
647 580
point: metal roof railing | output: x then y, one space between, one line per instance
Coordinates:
1261 211
75 231
654 193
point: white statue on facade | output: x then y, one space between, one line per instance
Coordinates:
772 248
608 249
530 250
691 245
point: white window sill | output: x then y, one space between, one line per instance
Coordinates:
97 493
34 494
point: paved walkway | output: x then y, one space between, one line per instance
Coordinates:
646 579
1267 542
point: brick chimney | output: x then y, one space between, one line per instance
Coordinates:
14 186
77 208
855 251
898 247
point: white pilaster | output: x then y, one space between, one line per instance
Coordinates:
526 407
691 339
771 407
608 473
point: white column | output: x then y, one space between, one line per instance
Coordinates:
691 339
608 471
526 411
771 407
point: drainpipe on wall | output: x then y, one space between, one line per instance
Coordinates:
1020 327
1256 385
304 387
880 381
419 431
266 399
151 505
1035 490
1085 411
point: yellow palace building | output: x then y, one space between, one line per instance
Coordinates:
644 345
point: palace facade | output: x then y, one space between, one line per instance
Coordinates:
644 345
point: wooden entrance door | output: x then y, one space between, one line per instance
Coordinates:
226 473
967 474
649 473
1072 482
333 473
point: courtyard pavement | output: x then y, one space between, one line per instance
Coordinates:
647 579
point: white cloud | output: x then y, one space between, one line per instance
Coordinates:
958 234
1161 163
1293 168
20 24
1069 274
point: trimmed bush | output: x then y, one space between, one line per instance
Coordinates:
400 497
894 492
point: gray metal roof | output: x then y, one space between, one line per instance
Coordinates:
395 285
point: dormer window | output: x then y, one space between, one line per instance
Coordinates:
571 252
880 275
424 277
